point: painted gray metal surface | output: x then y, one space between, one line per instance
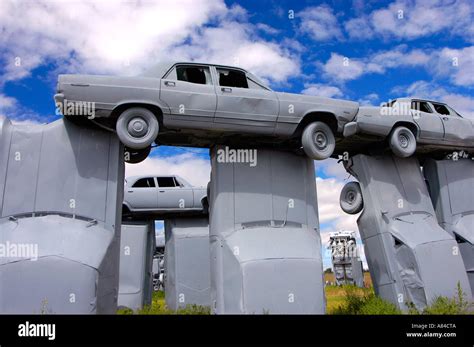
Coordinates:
410 257
433 130
163 200
202 111
137 246
61 188
187 264
265 242
346 263
451 186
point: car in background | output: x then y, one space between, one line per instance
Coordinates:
162 194
200 105
412 124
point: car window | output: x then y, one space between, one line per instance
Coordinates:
232 78
166 182
421 106
191 74
440 108
148 182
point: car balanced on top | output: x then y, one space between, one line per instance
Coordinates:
193 104
200 105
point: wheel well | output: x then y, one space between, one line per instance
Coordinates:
153 108
125 208
408 125
325 117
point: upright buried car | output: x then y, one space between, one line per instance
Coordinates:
194 104
408 122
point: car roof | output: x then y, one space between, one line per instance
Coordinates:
406 98
160 69
133 179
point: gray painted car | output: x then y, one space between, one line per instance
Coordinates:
414 125
194 104
162 194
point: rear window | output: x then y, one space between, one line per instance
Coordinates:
166 182
232 78
148 182
441 109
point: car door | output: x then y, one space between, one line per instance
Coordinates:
142 195
173 196
241 101
189 92
429 122
457 129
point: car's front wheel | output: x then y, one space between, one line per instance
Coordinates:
318 141
137 127
351 198
402 142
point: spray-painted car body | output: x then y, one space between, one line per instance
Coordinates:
434 124
220 101
163 194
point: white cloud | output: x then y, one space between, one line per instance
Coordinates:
125 37
412 19
455 64
6 102
369 99
320 23
192 168
320 89
340 68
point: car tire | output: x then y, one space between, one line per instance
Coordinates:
402 142
137 127
135 156
351 200
318 141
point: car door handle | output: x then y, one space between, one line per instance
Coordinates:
162 191
445 118
130 191
227 90
170 84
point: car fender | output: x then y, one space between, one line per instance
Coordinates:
328 113
161 105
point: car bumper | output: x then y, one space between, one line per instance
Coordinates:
350 129
58 98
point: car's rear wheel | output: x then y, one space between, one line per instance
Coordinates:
351 198
134 156
318 141
137 127
402 142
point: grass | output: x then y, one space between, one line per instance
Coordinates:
158 307
346 299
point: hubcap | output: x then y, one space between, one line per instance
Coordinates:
350 197
137 127
403 140
320 140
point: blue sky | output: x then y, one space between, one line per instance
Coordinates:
367 51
